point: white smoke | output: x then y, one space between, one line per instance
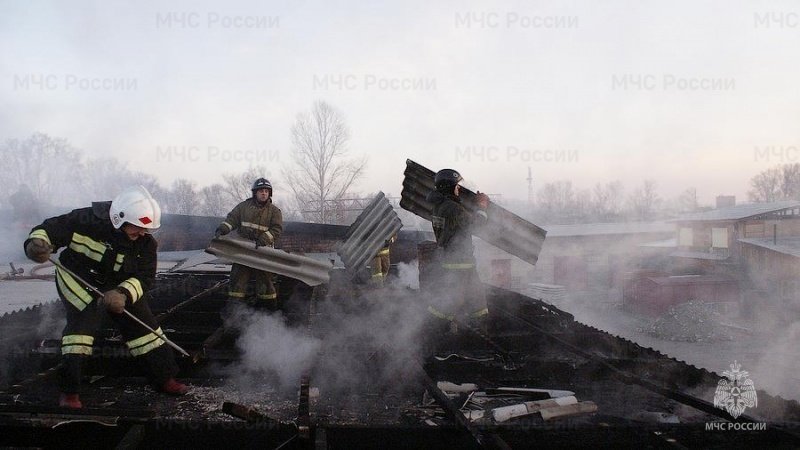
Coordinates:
361 341
272 352
407 275
778 367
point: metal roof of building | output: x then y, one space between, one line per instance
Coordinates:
698 255
786 245
665 243
690 279
597 229
738 212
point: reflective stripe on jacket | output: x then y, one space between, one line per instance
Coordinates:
98 253
250 219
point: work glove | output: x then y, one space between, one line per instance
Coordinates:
221 231
482 200
38 250
264 240
114 301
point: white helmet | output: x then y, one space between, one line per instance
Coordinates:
136 206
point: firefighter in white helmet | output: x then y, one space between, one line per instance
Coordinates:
108 245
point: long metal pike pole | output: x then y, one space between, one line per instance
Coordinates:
125 311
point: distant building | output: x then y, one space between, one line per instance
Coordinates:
756 244
715 235
582 257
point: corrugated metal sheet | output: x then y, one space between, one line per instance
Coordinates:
505 230
365 237
242 251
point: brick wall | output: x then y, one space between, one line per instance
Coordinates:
179 232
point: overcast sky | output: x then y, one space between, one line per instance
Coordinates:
689 93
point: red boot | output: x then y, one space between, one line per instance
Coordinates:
71 401
174 387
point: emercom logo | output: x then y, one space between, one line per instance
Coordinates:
736 393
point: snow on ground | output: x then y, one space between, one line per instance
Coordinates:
20 294
16 295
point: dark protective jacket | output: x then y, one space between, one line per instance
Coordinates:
452 225
250 219
98 253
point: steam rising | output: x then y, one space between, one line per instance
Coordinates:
271 351
361 342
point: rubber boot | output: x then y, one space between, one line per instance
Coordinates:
71 401
174 387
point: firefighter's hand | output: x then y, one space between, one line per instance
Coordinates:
221 231
482 200
265 239
114 301
38 250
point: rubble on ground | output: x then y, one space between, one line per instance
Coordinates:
693 321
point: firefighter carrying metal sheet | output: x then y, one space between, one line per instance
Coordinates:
256 219
458 292
109 246
382 261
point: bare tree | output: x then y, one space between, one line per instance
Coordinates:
766 186
182 198
582 208
644 201
687 201
607 200
556 200
46 165
215 201
237 186
103 178
319 171
790 181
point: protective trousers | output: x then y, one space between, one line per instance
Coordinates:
380 267
458 293
265 290
78 338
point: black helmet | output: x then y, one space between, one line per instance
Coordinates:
447 179
261 183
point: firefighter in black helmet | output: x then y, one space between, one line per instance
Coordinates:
458 293
256 219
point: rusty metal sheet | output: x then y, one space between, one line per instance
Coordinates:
244 252
505 230
366 236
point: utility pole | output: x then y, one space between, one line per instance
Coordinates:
530 187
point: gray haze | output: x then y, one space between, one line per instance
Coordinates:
687 93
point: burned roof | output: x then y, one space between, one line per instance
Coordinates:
626 394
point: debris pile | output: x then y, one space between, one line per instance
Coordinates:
693 321
488 406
